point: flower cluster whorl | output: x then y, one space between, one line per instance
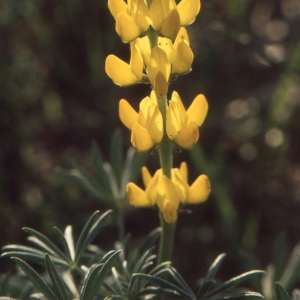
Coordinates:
160 52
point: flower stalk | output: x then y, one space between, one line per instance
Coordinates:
166 240
165 156
165 146
160 51
153 37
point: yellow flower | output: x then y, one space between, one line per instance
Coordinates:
146 126
183 54
145 63
135 17
182 125
188 10
167 193
131 18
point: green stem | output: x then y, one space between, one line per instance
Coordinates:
165 147
166 240
166 163
153 37
121 225
165 156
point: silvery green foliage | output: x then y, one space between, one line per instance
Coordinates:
282 273
108 182
74 272
85 272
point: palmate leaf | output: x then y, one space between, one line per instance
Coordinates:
118 280
89 232
68 235
147 243
89 287
36 279
57 256
42 241
100 171
149 240
88 183
179 280
124 285
63 241
142 264
166 269
111 288
161 269
30 254
57 282
21 248
210 289
96 275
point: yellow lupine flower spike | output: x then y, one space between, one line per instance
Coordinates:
135 17
124 74
145 63
182 125
167 193
146 126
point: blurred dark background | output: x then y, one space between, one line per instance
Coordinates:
55 98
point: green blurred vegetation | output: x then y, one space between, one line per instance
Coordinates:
56 98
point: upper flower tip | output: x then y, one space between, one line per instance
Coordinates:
135 17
